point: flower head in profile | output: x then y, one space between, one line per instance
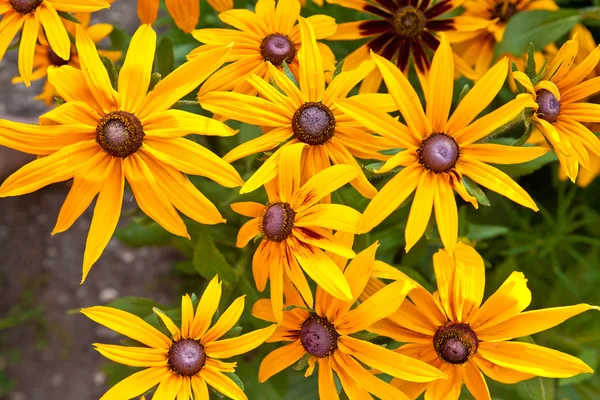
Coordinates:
563 107
476 48
454 332
439 149
27 16
102 136
270 34
295 230
323 334
304 114
401 31
187 360
45 57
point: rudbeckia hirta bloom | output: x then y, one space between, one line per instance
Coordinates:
324 334
454 332
102 136
28 15
401 31
562 107
295 228
439 150
187 360
270 34
304 114
476 47
46 57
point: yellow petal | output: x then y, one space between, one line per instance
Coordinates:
222 383
446 213
10 25
185 13
208 305
168 388
70 84
289 88
563 60
327 386
286 15
312 78
509 300
498 373
533 359
134 356
322 184
331 216
279 359
339 154
187 315
323 239
441 86
72 113
475 382
262 143
524 80
150 197
449 389
389 362
582 112
342 84
580 72
173 329
27 46
549 86
242 344
129 325
420 211
247 232
147 10
499 154
226 321
55 30
221 5
581 91
248 208
134 76
289 170
137 384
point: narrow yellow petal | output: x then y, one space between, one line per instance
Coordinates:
10 25
27 46
446 213
279 359
421 208
331 216
498 373
168 388
222 383
225 322
242 344
55 30
265 142
524 80
289 170
475 382
185 13
312 77
187 315
134 356
208 305
327 386
137 384
499 154
173 329
323 239
441 86
147 10
322 184
247 232
199 388
70 84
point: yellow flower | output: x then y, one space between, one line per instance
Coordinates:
324 334
401 31
561 106
101 136
270 34
29 15
295 228
306 114
187 361
452 331
186 13
476 48
46 57
439 150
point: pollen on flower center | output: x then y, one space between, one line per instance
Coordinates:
277 48
313 123
187 357
438 153
455 343
409 22
504 11
549 106
120 134
25 6
277 221
318 336
54 59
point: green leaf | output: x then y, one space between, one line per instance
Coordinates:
531 70
136 234
539 27
195 301
484 232
232 333
119 39
516 170
475 191
464 92
154 79
536 389
528 129
165 59
208 261
364 335
235 378
68 16
294 307
338 69
390 152
301 363
112 71
160 322
139 306
288 73
15 45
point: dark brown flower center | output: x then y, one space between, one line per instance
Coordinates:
409 22
55 59
455 343
120 134
25 6
318 336
438 153
313 123
277 48
504 11
548 105
277 221
187 357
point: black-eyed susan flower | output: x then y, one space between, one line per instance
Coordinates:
400 31
454 332
324 334
295 230
304 114
188 360
562 108
438 149
28 16
45 57
476 48
102 136
269 34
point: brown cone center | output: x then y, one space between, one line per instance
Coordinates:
25 6
548 105
120 134
54 59
455 343
409 22
277 221
277 48
438 153
318 336
187 357
313 123
504 11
